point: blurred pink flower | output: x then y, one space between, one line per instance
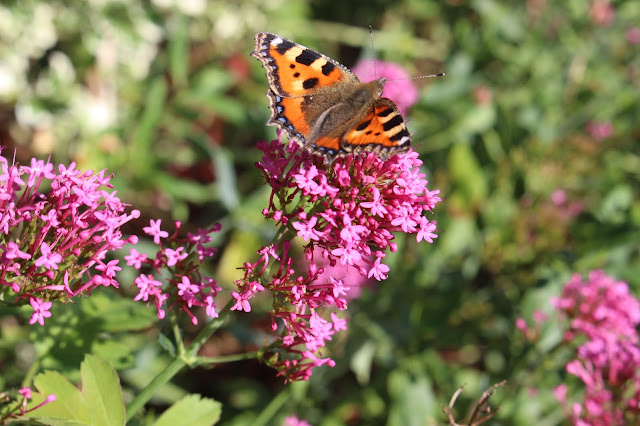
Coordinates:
482 95
560 392
599 131
539 316
295 421
559 197
633 35
404 93
602 12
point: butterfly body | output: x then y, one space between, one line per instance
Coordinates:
322 105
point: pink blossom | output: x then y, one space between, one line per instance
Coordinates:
13 252
602 12
599 130
633 35
175 256
148 287
540 316
154 230
404 92
521 325
242 303
109 269
375 205
188 291
294 421
47 258
426 231
135 259
559 197
379 270
26 392
306 229
560 392
40 310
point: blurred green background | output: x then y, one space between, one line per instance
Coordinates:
532 137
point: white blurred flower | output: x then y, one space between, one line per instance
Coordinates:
27 115
43 33
61 67
192 7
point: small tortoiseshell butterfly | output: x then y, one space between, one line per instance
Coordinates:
323 106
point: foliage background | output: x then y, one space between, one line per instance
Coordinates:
164 95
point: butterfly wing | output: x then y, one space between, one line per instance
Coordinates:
295 75
382 130
294 70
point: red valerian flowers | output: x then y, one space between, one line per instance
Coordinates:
603 312
53 242
347 213
185 286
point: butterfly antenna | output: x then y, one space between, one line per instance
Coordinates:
415 78
373 49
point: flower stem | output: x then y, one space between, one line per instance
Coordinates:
189 358
147 393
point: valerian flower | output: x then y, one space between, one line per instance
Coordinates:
54 240
347 213
185 287
604 312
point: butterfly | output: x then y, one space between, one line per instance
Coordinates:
322 105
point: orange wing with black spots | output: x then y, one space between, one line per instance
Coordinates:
322 105
294 70
381 130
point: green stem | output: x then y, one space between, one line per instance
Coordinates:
208 331
147 393
177 334
28 378
187 358
271 409
205 360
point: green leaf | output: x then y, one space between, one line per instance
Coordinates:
179 50
413 398
117 313
144 134
468 174
191 410
100 402
166 344
362 361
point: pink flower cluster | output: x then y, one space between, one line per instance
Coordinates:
53 243
186 287
608 363
347 213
